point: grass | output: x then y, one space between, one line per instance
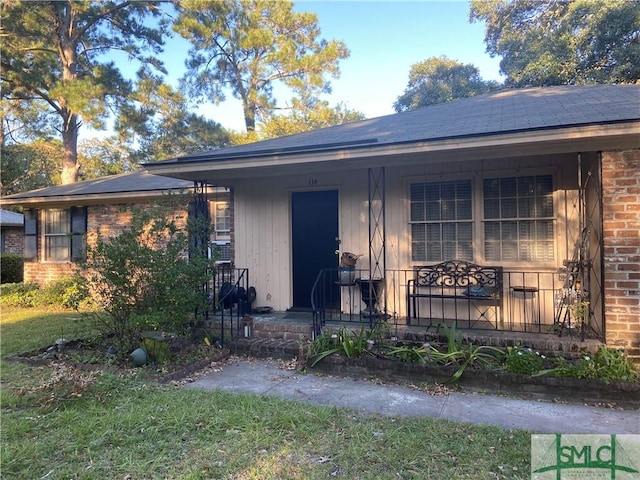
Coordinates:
61 423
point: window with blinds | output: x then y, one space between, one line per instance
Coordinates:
64 231
441 221
519 218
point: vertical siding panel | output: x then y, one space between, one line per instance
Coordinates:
262 242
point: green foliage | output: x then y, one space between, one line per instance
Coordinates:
173 130
408 354
62 72
68 292
523 360
440 80
151 271
453 352
19 295
303 117
11 268
158 351
344 341
607 364
558 42
34 163
249 47
462 354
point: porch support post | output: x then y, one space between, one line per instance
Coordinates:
377 235
199 242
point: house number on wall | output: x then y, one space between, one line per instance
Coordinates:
313 182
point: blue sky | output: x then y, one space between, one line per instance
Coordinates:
385 38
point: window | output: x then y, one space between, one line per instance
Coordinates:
222 220
518 214
63 233
57 239
441 221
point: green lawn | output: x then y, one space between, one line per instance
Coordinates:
62 423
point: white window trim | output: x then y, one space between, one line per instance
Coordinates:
44 235
477 193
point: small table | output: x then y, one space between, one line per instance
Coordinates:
530 312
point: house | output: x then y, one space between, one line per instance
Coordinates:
11 228
542 182
59 220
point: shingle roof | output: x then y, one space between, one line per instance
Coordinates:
141 181
507 111
11 219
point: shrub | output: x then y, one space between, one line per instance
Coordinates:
11 268
607 364
66 292
523 360
344 341
25 295
150 271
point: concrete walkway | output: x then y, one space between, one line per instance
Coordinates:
268 377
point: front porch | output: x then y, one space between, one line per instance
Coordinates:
533 311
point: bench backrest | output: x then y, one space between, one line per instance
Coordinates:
459 274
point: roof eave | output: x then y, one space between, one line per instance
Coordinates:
90 199
532 142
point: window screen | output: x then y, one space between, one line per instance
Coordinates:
519 218
441 221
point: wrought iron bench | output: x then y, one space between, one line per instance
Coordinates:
454 289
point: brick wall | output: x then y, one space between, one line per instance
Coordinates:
109 220
46 272
13 239
621 224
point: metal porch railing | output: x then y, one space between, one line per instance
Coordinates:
229 299
531 303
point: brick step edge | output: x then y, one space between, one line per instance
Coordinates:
267 347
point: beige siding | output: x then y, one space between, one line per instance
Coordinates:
263 230
262 240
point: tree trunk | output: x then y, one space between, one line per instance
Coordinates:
250 118
68 54
70 167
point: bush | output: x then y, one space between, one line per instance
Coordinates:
148 272
25 295
607 364
66 292
523 360
11 268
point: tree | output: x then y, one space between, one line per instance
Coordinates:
167 128
29 153
30 165
248 46
302 118
561 42
439 80
105 156
53 54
